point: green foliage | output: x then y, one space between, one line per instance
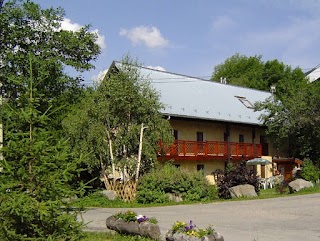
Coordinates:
128 216
38 167
292 118
131 216
101 236
192 186
26 29
108 121
37 172
191 229
309 171
24 217
281 185
254 73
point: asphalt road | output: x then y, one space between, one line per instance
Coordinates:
293 218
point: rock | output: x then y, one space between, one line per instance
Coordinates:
184 237
110 194
298 184
245 190
70 199
149 230
174 197
145 229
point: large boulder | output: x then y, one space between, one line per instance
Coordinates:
145 229
110 194
174 197
245 190
298 184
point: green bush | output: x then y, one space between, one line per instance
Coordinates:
192 186
309 171
23 217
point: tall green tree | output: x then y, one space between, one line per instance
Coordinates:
37 170
27 29
254 73
36 93
292 118
110 121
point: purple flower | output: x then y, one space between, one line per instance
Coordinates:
190 226
141 218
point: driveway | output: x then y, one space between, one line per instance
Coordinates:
293 218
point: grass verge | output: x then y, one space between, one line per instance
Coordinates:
97 200
103 236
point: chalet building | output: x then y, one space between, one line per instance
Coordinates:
214 123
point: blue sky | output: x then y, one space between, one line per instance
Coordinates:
191 37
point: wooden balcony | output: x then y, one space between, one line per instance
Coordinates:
209 150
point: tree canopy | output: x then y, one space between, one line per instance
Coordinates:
292 118
108 123
254 73
38 166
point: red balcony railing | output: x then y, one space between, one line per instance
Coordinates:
210 150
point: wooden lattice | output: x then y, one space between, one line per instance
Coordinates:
126 191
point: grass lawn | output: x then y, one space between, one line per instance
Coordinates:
102 236
97 200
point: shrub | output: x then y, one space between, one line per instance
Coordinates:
281 185
236 175
131 216
309 171
192 186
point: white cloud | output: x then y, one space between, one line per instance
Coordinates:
67 24
156 68
150 36
101 40
223 22
99 77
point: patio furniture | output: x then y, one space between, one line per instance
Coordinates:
263 183
271 182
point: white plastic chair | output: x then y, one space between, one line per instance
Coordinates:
263 183
271 182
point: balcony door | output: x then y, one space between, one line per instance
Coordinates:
200 143
265 146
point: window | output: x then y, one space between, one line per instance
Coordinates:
200 167
241 138
175 134
200 136
225 136
245 102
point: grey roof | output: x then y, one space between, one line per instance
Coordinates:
314 74
195 98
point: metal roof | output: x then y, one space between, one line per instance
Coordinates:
190 97
314 74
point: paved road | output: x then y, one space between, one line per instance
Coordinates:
292 218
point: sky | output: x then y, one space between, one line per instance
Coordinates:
191 37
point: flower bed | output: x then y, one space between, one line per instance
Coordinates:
181 231
130 222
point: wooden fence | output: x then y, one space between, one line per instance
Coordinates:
126 191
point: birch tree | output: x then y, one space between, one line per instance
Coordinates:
111 119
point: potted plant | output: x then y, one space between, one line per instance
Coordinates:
129 222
